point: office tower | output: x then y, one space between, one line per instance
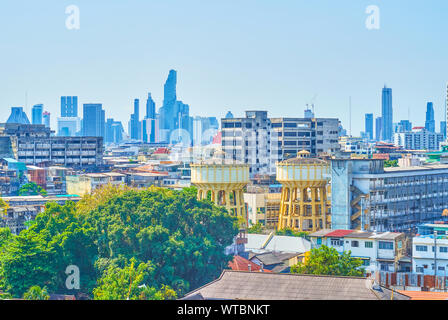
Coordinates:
114 132
36 113
174 114
443 129
93 122
378 128
150 127
369 125
18 116
135 124
430 124
204 129
386 115
404 126
46 118
69 106
69 126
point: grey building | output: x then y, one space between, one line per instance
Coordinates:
34 144
365 195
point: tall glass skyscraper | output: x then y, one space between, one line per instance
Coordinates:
36 114
430 123
369 125
93 122
69 106
46 118
386 115
378 128
135 124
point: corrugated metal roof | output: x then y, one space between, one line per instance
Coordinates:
235 285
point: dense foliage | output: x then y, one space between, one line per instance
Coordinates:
390 163
32 189
256 228
327 261
292 233
167 240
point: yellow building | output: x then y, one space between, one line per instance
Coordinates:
304 202
223 182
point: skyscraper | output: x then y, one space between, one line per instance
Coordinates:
135 125
69 106
36 114
369 125
150 107
443 129
430 124
18 116
93 122
174 114
114 131
378 128
46 118
386 114
150 123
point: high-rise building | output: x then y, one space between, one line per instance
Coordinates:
36 113
174 114
369 125
135 124
150 128
418 139
18 116
204 129
114 131
430 124
69 126
443 129
93 122
46 118
404 126
378 128
69 106
386 115
150 107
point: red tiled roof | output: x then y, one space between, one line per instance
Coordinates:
425 295
339 233
241 264
162 151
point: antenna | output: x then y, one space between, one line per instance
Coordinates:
350 115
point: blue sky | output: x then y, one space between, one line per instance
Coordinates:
230 55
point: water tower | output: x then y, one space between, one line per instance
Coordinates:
222 180
303 205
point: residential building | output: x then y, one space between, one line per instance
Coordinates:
367 196
418 139
430 249
381 251
87 183
33 144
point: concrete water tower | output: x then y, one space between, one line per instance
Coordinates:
303 205
223 181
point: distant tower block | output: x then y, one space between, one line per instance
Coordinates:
303 205
223 181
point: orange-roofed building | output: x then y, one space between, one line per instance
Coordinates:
241 264
425 295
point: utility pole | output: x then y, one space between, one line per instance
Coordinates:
435 255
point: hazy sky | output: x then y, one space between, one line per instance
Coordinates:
230 55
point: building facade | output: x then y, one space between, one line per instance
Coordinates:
418 139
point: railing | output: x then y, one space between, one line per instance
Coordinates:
408 279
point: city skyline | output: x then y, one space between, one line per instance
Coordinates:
217 75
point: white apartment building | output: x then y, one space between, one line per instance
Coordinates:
418 139
382 251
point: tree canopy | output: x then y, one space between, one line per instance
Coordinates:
327 261
169 239
32 189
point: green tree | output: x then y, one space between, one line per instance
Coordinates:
292 233
36 293
327 261
3 206
32 189
390 163
256 228
131 283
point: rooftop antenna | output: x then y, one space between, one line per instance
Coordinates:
350 115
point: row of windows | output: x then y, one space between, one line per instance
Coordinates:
423 248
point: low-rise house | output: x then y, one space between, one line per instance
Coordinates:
16 218
430 249
86 183
239 285
382 251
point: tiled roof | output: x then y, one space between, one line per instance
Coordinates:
339 233
241 264
425 295
236 285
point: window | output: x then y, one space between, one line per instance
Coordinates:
366 262
443 249
441 268
386 245
355 243
336 242
421 248
368 244
319 240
